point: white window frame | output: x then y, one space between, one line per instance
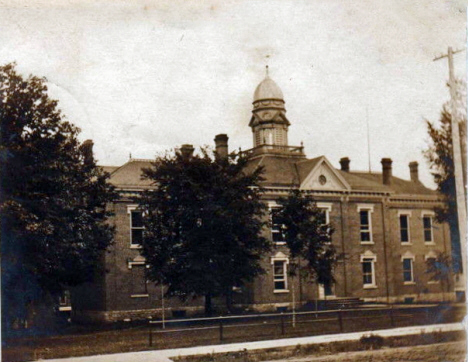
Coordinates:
285 260
327 207
410 257
369 256
430 215
131 208
406 213
370 209
271 206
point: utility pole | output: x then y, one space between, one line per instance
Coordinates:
458 166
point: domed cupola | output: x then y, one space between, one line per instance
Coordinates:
269 123
268 89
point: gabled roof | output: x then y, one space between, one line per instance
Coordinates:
281 171
109 169
130 174
306 166
278 170
286 171
373 181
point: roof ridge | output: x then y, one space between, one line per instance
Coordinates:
140 160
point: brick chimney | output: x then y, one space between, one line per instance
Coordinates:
221 143
187 151
387 171
344 162
413 167
87 150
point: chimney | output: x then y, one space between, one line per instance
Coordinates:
221 142
387 171
344 162
413 167
87 150
187 151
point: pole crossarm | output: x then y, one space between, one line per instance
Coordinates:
446 55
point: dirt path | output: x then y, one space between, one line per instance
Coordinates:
442 352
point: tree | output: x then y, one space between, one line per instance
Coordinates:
203 223
52 200
439 154
440 269
307 236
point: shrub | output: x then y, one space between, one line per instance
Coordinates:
372 341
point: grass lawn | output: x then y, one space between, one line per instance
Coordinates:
440 352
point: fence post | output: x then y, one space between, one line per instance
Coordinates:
150 336
282 323
340 320
220 329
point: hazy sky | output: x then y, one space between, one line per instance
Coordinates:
143 76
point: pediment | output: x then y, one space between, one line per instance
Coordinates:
323 176
268 116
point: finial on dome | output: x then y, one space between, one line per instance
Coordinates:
266 75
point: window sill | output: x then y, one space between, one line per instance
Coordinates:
429 243
370 286
409 283
280 243
135 246
433 282
367 243
406 243
281 291
139 296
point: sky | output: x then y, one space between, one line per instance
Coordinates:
141 77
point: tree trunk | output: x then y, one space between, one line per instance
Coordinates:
208 305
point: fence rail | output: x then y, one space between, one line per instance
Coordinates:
278 325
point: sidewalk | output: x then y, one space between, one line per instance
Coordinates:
165 355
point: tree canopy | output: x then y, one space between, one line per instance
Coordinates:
307 235
52 199
203 223
440 157
440 269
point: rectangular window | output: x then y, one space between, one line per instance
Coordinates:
366 231
323 216
277 234
139 280
427 225
404 229
136 221
368 273
279 275
408 270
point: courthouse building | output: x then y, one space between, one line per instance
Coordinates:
385 230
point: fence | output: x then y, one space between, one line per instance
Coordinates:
278 325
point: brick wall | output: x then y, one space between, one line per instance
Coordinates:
111 298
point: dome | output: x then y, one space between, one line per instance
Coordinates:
267 89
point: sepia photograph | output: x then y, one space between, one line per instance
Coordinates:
233 181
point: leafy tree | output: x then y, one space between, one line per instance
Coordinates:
203 223
440 156
440 269
307 235
52 199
